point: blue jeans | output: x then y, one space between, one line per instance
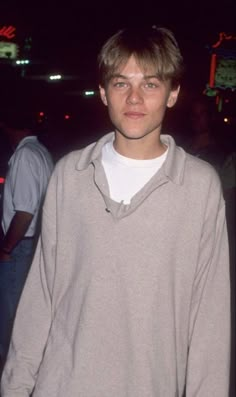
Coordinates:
13 274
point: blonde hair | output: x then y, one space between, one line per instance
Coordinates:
155 47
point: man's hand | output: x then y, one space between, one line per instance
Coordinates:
15 233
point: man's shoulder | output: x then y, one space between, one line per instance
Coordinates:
76 160
198 165
32 152
72 158
80 159
28 146
190 169
200 171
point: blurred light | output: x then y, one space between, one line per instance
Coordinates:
89 93
66 116
55 77
2 180
8 31
40 117
22 62
226 120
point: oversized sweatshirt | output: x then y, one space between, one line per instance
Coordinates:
126 300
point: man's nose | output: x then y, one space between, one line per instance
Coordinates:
134 96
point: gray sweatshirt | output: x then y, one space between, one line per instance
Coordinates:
126 300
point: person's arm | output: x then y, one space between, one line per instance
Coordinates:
24 184
208 366
33 317
16 232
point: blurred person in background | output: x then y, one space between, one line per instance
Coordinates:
29 169
204 136
228 178
128 293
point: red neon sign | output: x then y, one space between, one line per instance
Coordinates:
222 36
213 66
8 32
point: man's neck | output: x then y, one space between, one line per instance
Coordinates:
141 149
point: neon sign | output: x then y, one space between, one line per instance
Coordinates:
222 76
8 31
8 50
223 64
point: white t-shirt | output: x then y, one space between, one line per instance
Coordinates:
127 176
30 167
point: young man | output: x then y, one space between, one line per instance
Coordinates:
128 294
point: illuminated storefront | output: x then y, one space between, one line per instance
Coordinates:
222 76
8 46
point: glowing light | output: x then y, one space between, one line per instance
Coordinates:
89 93
22 62
41 114
223 63
66 116
226 120
8 49
212 71
222 36
8 31
2 180
55 77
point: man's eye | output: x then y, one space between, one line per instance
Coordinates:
151 85
120 84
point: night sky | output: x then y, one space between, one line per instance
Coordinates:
70 35
66 38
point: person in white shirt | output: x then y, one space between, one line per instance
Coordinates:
29 169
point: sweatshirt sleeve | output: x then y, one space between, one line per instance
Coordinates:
209 335
33 317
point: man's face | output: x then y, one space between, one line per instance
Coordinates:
137 100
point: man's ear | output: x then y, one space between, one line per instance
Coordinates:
103 95
173 96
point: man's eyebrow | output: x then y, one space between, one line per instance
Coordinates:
145 77
118 75
152 76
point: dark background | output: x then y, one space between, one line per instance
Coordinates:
69 35
66 39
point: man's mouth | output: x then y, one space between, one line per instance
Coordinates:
134 115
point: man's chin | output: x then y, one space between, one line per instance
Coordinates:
132 135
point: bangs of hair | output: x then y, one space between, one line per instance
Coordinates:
156 51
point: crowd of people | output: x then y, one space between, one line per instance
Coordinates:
114 262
